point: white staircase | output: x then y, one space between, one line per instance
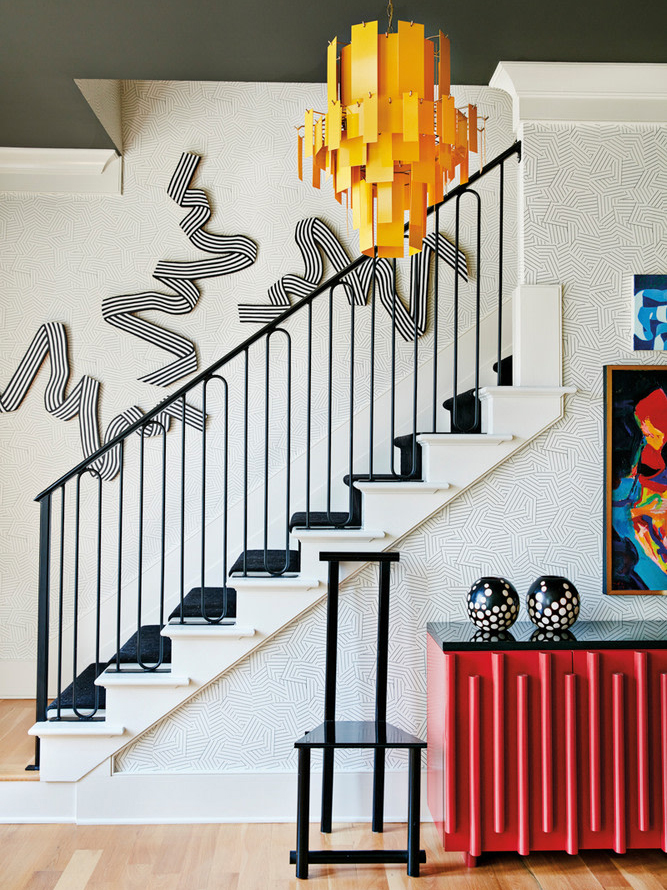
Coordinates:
512 417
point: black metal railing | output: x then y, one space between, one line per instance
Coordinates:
266 435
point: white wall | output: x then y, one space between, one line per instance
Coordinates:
592 216
63 254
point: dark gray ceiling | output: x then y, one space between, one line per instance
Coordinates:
45 44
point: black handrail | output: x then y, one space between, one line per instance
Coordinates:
287 383
331 282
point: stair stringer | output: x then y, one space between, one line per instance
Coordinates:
201 654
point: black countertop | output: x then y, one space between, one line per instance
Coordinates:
464 636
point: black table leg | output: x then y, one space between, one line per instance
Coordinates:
303 813
378 790
414 807
327 789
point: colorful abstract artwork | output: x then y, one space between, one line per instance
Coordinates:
636 479
650 312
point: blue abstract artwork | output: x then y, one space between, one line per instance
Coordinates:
650 312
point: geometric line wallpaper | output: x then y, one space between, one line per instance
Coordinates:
592 217
62 255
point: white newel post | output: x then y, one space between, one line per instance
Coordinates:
537 335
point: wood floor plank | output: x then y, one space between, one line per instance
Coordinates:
79 870
17 748
256 857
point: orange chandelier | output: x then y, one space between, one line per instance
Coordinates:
391 137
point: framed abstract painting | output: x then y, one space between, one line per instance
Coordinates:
635 479
649 312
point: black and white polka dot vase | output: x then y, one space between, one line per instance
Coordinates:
493 604
553 602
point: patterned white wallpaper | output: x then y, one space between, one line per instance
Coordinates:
594 215
62 255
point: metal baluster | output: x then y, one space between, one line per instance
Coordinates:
415 277
501 199
371 405
455 379
182 506
43 616
140 553
309 407
119 581
329 407
61 569
288 448
245 469
350 510
436 306
98 582
202 567
392 431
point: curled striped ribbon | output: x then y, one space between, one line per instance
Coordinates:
236 252
314 238
50 342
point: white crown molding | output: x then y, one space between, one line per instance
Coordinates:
69 170
584 91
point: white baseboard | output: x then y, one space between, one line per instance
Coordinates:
186 798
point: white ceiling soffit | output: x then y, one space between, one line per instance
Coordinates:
68 170
584 91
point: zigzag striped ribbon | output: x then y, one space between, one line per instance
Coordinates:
314 238
83 401
237 252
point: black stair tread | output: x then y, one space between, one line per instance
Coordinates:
506 366
213 603
464 398
381 477
153 647
275 562
85 689
320 519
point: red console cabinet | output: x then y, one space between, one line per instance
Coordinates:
548 745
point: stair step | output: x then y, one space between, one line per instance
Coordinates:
506 370
88 695
152 649
322 519
275 562
414 486
334 535
213 603
142 679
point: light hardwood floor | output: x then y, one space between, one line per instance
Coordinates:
255 857
17 748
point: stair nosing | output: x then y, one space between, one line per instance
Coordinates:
464 438
99 729
207 630
403 487
146 678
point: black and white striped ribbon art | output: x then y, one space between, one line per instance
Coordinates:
314 238
83 401
236 252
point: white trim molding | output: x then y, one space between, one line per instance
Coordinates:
584 91
69 170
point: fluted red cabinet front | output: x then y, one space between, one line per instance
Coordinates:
547 750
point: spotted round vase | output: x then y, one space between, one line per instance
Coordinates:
493 604
553 602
